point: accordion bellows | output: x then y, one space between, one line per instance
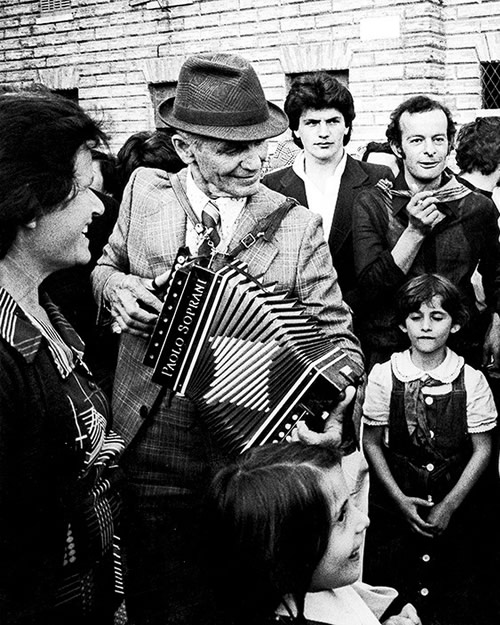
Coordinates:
250 358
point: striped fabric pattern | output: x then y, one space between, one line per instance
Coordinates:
210 218
90 543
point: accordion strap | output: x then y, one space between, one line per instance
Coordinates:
182 198
263 229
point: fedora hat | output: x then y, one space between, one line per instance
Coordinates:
219 95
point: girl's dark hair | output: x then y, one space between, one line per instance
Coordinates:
41 134
268 523
422 289
318 91
478 146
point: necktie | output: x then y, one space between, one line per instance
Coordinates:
415 409
210 218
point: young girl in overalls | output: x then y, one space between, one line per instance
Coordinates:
428 422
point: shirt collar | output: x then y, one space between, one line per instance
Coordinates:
406 371
469 185
195 195
18 331
199 199
400 184
299 166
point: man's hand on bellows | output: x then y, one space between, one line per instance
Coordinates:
134 303
332 433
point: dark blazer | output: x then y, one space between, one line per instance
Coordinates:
357 175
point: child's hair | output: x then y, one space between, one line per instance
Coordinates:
422 289
269 523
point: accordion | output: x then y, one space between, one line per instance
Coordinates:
249 358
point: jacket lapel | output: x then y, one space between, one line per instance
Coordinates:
168 223
292 186
260 255
352 179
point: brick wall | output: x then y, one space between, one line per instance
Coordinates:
472 34
112 51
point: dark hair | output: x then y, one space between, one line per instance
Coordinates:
147 149
318 91
382 147
34 88
478 146
41 134
422 289
107 163
269 523
418 104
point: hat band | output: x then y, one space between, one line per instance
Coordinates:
222 118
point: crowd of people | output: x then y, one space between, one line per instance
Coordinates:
116 497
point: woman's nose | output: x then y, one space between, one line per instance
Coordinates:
97 205
363 520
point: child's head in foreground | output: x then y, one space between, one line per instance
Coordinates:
282 523
429 309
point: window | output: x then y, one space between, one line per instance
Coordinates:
490 84
160 91
49 6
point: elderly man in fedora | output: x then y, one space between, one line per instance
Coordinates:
222 121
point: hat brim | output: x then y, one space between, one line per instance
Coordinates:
275 125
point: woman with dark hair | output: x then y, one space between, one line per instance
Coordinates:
58 457
284 540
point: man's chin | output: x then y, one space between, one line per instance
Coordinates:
246 189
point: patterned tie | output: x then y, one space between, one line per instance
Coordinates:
210 218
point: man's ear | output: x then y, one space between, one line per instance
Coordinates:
183 147
297 140
455 328
397 150
403 328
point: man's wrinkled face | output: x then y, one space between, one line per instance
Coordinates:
228 168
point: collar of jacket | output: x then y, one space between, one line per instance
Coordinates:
398 202
17 330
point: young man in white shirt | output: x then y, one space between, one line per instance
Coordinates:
323 176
